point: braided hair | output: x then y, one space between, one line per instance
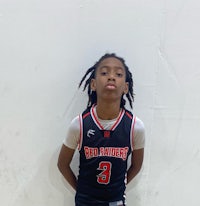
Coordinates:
92 94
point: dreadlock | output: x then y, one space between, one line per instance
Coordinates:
92 94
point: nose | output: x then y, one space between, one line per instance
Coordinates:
111 76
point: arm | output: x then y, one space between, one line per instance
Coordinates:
136 164
64 161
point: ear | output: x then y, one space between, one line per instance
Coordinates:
93 85
126 88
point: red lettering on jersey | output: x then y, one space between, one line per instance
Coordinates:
90 152
117 152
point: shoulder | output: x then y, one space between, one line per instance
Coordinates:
128 114
139 125
86 111
75 125
72 137
139 134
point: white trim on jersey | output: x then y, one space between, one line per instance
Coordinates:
95 118
132 132
81 132
121 114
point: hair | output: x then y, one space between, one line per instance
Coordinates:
92 96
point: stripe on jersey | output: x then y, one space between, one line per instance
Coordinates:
81 132
132 133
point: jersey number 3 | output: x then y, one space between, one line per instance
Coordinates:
104 176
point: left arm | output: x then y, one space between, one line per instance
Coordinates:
136 164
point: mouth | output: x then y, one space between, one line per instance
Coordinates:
110 86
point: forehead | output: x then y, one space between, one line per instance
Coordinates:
111 62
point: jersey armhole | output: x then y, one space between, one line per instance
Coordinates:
81 132
132 132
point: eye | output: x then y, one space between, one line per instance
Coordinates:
103 70
119 74
104 73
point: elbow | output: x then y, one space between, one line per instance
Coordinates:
60 166
139 168
135 169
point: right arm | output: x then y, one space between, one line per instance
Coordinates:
64 160
67 151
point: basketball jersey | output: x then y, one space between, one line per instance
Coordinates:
103 156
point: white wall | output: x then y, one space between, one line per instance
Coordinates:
46 47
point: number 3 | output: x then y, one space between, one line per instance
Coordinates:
104 176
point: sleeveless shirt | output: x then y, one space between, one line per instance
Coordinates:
103 155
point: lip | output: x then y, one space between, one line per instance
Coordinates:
110 86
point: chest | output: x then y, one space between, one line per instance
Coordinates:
99 137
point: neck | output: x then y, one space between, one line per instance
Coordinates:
108 111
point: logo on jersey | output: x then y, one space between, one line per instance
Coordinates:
90 133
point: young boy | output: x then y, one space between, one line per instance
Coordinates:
105 135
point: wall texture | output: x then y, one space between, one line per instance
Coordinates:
46 47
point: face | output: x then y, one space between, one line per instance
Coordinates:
109 81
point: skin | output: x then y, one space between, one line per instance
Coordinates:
109 84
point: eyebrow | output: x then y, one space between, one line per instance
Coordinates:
116 67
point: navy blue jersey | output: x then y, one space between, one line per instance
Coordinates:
103 156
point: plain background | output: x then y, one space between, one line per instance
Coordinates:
45 49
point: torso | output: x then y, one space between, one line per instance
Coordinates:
103 156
